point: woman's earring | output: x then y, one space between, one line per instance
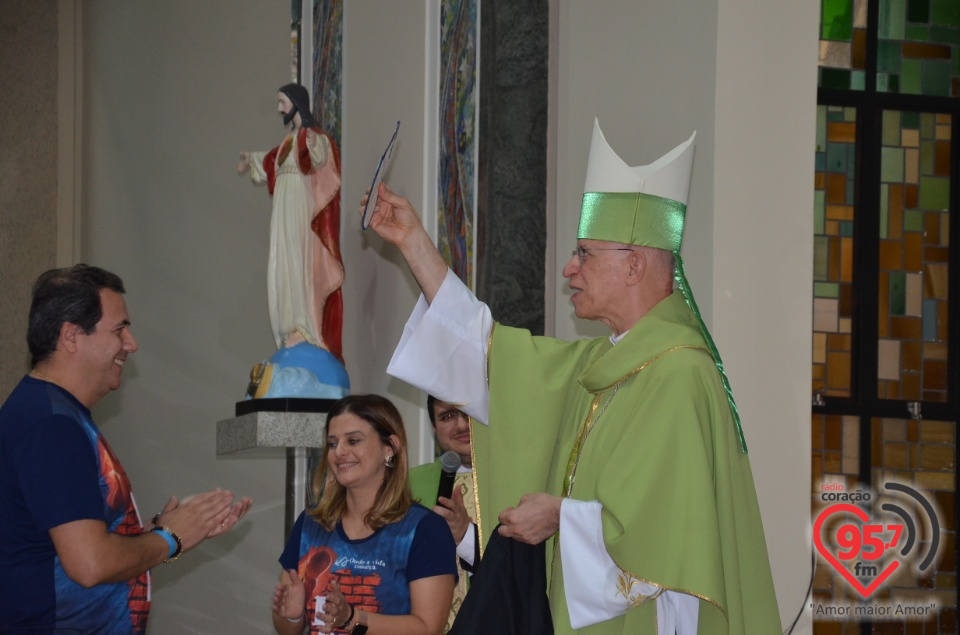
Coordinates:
388 461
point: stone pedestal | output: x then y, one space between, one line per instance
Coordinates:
293 424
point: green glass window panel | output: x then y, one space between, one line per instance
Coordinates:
898 292
834 113
826 290
888 56
927 125
893 84
892 19
927 156
846 229
934 193
911 120
936 78
891 127
945 12
851 161
821 253
834 78
891 165
918 33
918 11
945 35
910 78
818 212
858 80
836 20
820 161
850 114
837 157
913 220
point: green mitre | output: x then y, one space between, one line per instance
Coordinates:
645 206
642 205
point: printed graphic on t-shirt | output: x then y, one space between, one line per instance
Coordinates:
119 500
321 565
121 607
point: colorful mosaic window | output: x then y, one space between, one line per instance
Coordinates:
914 256
918 51
327 65
833 249
921 453
458 99
843 43
882 319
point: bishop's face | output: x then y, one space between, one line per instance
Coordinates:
595 273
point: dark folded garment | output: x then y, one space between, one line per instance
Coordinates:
508 593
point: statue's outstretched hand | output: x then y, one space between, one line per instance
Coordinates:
394 218
244 163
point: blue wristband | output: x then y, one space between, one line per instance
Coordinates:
173 541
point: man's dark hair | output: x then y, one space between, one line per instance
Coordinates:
71 294
431 403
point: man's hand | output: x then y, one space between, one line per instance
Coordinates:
201 516
238 509
455 513
535 519
394 218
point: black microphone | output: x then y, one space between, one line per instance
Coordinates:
449 464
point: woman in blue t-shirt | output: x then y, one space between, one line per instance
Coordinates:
366 556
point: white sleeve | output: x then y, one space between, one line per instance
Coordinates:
466 550
319 147
257 173
443 349
596 589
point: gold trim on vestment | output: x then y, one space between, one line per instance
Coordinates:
677 590
650 361
577 449
625 584
489 348
476 488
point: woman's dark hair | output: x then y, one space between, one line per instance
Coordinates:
394 497
71 294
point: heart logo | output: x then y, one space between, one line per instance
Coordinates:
832 559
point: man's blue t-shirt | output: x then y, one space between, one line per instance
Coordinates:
56 468
374 572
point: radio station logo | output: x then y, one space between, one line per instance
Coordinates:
868 536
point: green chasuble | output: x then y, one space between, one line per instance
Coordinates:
424 481
659 451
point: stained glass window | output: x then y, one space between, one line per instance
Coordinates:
885 403
843 43
918 52
914 256
833 249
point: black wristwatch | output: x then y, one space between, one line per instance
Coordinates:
359 629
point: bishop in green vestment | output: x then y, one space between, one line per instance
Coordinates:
624 453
